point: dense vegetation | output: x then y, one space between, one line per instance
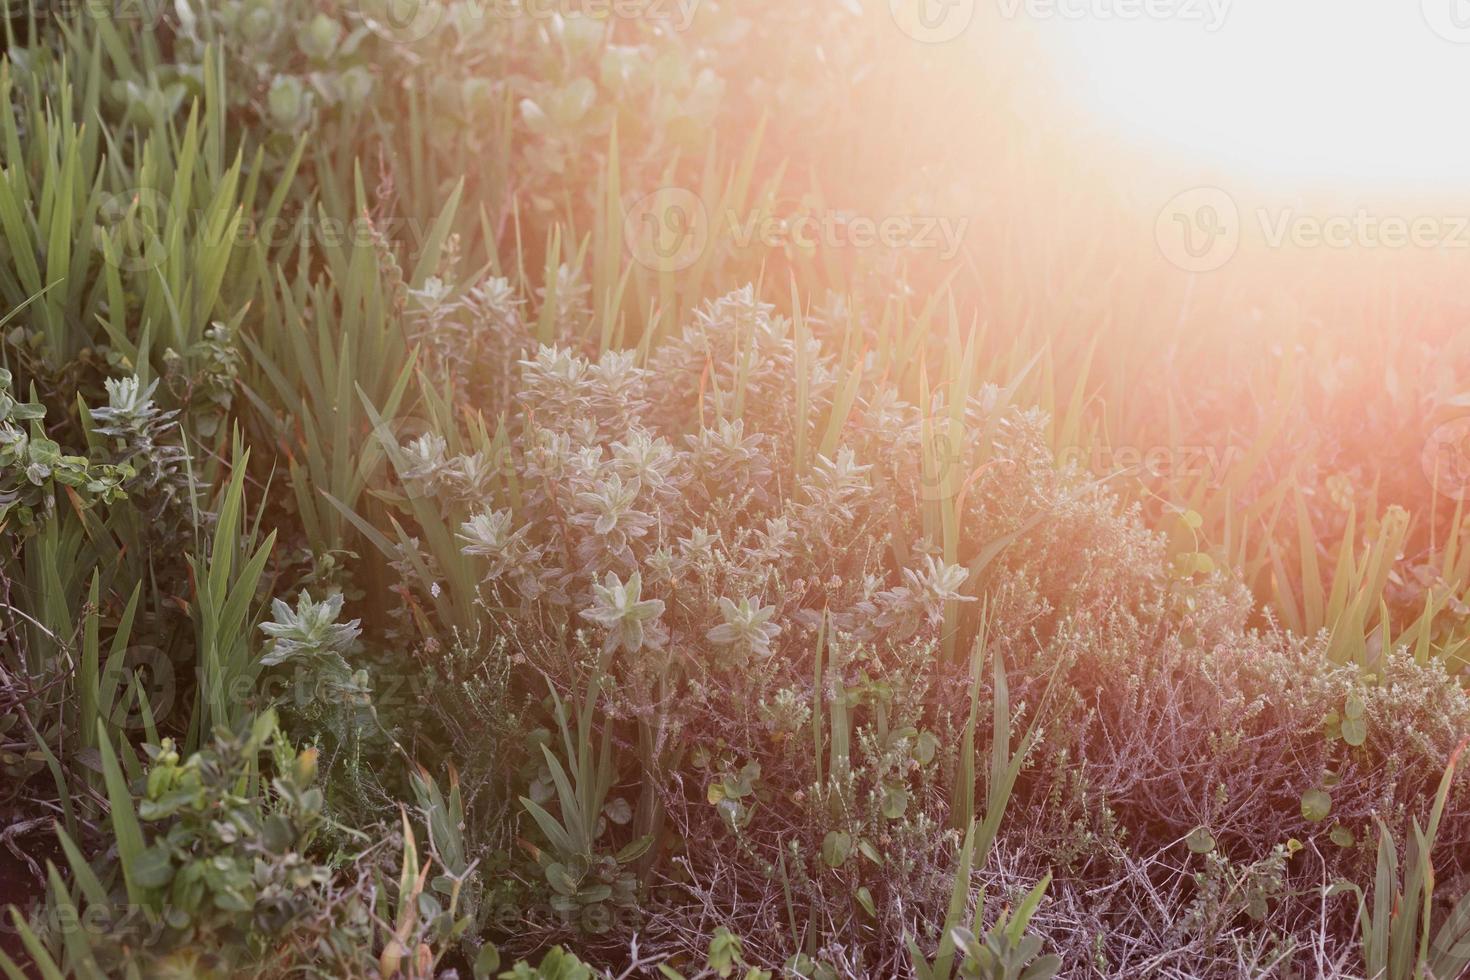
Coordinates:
438 534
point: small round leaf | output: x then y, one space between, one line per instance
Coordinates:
1316 804
836 846
1200 840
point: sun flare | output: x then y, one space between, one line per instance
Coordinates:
1361 93
840 489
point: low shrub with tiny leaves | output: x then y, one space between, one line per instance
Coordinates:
405 574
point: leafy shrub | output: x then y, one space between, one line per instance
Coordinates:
694 606
225 880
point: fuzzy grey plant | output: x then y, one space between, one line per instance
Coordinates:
495 305
469 476
427 461
747 628
922 598
630 620
571 297
489 535
310 633
144 437
609 510
313 644
471 337
648 460
726 459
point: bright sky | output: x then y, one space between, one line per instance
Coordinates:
1372 91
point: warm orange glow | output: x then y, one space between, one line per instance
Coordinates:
1367 93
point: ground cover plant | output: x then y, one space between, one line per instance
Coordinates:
489 490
